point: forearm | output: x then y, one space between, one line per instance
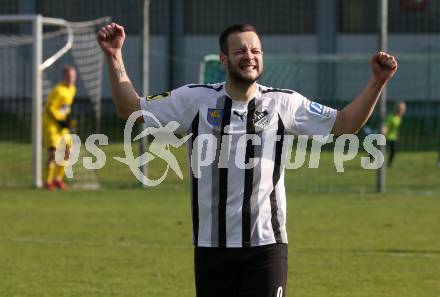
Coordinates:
354 116
124 96
56 114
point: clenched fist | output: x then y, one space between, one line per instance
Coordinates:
111 38
383 66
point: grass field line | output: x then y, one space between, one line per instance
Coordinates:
116 243
168 245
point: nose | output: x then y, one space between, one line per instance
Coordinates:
248 54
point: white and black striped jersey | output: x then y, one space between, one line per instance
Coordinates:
232 205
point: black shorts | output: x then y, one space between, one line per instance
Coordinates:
241 272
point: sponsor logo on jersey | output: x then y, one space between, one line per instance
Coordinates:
318 109
239 114
158 96
215 116
260 119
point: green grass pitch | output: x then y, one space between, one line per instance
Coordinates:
134 242
125 241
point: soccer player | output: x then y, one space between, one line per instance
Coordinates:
56 124
438 162
239 215
391 129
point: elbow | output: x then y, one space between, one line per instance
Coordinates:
121 114
121 111
345 125
353 127
125 112
124 108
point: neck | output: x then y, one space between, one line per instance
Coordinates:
242 92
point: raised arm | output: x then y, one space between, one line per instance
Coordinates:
111 38
350 119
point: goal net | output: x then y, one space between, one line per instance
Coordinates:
73 43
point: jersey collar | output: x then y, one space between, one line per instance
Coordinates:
256 95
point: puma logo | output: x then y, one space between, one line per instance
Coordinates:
241 115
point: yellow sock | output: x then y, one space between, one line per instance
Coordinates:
59 172
50 172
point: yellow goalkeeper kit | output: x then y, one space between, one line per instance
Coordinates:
56 115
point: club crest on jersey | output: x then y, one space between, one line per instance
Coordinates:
318 109
215 116
158 96
260 119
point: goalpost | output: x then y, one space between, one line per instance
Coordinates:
23 53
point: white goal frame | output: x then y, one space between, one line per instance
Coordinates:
38 66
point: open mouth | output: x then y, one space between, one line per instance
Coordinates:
248 67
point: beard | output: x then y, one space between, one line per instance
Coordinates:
234 73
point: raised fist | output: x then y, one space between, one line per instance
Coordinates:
111 38
383 66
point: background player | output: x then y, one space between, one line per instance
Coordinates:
56 124
391 129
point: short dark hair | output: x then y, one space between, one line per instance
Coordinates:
223 39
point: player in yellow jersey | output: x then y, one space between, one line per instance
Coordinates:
56 124
391 129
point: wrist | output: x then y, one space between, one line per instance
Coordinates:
377 82
117 63
115 56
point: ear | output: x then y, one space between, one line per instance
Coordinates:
223 59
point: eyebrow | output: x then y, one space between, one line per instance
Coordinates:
245 47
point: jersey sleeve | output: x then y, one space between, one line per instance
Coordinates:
179 105
305 117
